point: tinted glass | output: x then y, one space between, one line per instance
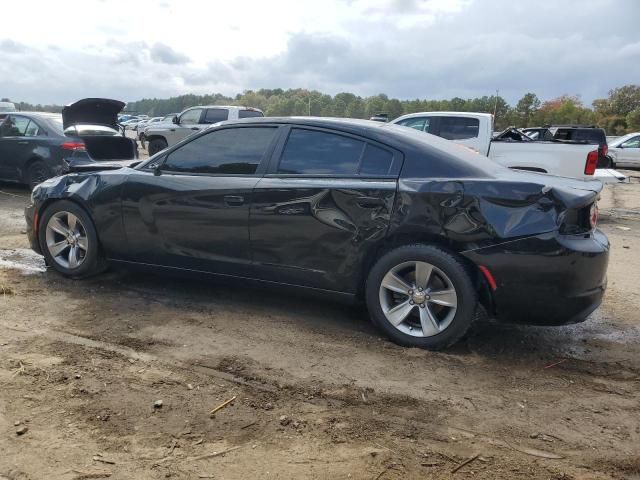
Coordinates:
249 114
375 161
192 116
312 152
590 135
421 123
14 126
459 128
228 151
32 130
215 115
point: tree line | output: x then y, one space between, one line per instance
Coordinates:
618 113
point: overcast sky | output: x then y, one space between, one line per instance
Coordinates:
50 53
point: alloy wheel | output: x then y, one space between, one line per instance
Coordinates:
67 240
418 299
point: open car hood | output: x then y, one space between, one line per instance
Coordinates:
92 111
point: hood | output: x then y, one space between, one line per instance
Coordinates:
93 111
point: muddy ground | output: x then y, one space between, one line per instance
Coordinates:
318 393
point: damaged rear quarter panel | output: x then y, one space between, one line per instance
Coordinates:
475 213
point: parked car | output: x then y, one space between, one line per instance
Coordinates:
380 117
35 146
145 123
193 120
420 229
625 151
7 107
475 131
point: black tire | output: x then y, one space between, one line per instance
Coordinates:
156 145
457 273
605 162
37 172
92 262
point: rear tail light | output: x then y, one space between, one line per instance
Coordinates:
593 215
592 163
74 146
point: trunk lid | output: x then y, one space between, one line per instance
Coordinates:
93 111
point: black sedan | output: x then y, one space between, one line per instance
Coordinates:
35 146
424 231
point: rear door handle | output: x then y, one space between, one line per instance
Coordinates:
195 128
234 200
370 202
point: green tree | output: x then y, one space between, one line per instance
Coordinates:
624 99
633 120
526 107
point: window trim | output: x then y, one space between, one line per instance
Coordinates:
276 157
261 168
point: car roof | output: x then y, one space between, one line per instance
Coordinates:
230 107
36 114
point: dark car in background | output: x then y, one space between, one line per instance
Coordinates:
35 146
423 230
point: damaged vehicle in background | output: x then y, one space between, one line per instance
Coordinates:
35 146
427 233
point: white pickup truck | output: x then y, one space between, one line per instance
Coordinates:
475 131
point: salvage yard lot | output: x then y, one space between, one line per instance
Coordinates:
318 392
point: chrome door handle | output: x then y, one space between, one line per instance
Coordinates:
234 200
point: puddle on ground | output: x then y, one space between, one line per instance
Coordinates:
22 259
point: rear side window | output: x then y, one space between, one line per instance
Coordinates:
376 161
590 135
458 128
215 115
231 151
249 114
310 152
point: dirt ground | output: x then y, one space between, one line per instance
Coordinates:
318 393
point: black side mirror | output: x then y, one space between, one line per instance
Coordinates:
175 120
620 146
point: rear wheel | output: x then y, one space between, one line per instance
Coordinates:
69 241
421 296
37 172
156 145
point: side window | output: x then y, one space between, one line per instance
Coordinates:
215 115
191 116
375 161
32 130
312 152
14 126
459 128
419 123
249 114
225 152
632 143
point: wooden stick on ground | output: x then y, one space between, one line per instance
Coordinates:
222 405
215 454
466 462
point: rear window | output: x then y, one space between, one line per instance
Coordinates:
215 115
249 114
590 135
458 128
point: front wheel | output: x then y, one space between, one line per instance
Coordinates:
69 241
421 296
156 145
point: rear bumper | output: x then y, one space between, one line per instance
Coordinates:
548 279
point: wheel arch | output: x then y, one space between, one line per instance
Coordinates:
25 166
392 242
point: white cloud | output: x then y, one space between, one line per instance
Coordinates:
405 48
